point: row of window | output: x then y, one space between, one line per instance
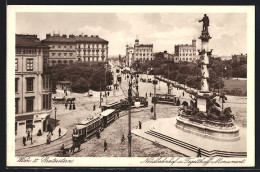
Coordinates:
46 103
65 54
144 54
90 45
29 84
53 47
29 64
187 50
144 50
25 51
187 54
29 104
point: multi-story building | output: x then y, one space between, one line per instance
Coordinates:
185 52
91 48
62 49
239 58
140 52
66 50
32 87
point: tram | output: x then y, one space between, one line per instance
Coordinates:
166 99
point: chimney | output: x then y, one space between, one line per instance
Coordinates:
80 35
64 36
91 35
85 35
71 36
48 35
97 36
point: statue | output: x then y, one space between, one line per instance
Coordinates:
205 21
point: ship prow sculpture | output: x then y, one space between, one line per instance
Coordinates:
204 117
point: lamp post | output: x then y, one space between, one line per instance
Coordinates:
155 101
55 109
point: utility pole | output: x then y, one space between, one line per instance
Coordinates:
154 83
100 94
129 115
106 82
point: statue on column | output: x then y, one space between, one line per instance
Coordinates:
205 21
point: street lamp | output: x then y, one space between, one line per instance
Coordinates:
55 109
155 98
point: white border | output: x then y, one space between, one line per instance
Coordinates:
98 162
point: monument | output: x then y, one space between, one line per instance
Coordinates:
205 118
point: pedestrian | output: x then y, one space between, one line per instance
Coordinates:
28 135
66 93
183 93
94 107
59 132
98 134
150 94
199 153
74 107
140 125
105 145
152 109
66 105
123 139
146 94
70 106
31 140
24 141
108 93
47 141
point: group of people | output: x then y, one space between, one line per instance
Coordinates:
29 137
71 105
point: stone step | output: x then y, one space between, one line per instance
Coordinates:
213 153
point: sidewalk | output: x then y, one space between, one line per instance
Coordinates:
40 140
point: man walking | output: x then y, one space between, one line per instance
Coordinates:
152 109
66 105
94 107
105 145
199 153
24 141
123 139
140 125
59 132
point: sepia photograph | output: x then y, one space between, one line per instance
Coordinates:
151 86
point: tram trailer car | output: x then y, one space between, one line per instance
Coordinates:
88 128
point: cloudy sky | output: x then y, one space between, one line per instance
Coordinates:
163 30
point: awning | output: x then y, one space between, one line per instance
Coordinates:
41 116
24 117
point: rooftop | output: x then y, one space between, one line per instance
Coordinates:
27 41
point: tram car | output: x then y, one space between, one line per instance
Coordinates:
87 128
59 100
166 99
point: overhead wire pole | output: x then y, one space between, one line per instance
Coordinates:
129 114
106 82
100 94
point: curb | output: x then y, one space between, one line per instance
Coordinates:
43 143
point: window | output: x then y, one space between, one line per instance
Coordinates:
71 46
53 54
65 54
16 105
16 64
29 104
16 85
29 64
53 46
29 84
71 54
65 46
59 54
59 46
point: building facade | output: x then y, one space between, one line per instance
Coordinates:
185 52
239 58
167 56
140 52
67 50
32 87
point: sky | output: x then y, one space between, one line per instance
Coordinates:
163 30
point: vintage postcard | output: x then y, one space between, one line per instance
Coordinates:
130 86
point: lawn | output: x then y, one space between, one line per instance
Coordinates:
235 84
